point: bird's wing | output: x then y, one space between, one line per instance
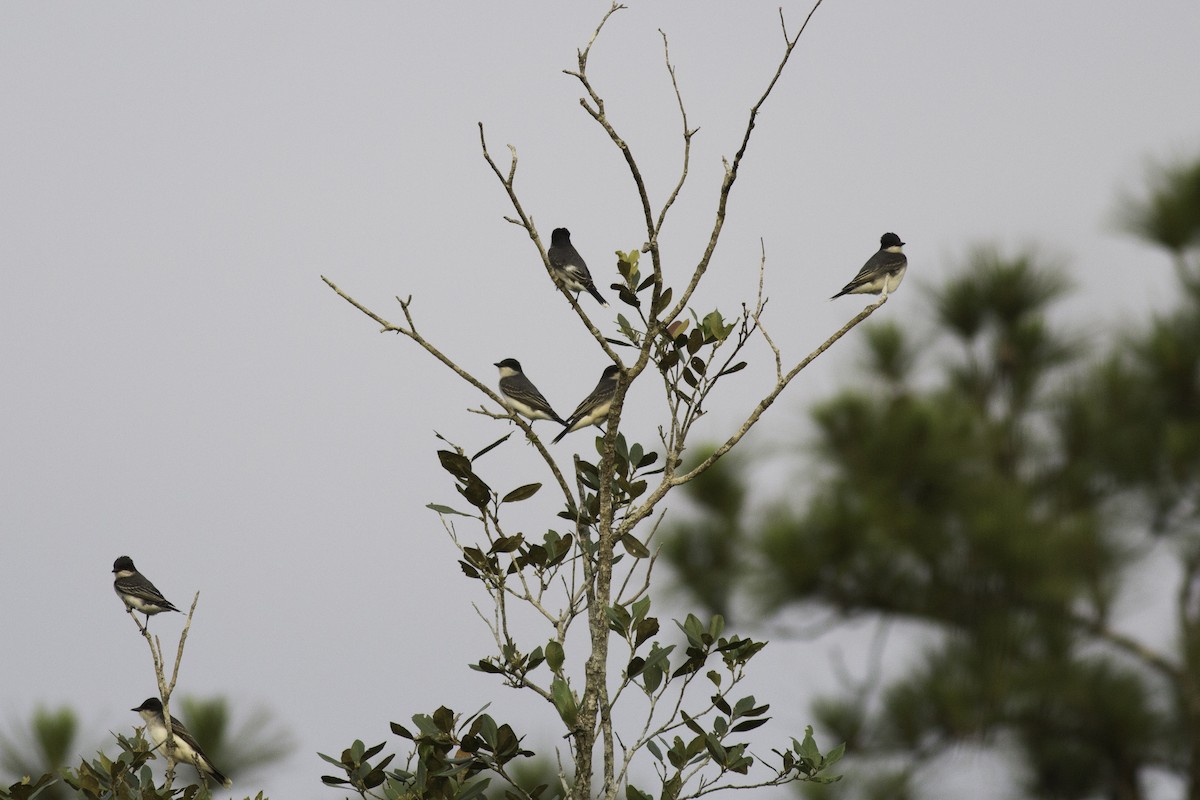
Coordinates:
140 587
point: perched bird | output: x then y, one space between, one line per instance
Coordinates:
521 396
568 265
136 591
883 271
596 405
186 749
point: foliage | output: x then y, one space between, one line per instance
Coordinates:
128 774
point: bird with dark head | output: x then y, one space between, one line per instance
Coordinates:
883 271
569 267
136 591
187 750
595 406
521 396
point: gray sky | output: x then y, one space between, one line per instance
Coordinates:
179 386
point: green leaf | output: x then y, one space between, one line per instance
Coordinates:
664 302
750 725
652 676
715 327
473 789
440 509
625 296
521 493
639 608
618 619
456 464
715 749
634 547
693 726
554 655
491 446
692 630
507 544
564 702
488 730
645 629
807 748
623 265
476 492
443 718
738 367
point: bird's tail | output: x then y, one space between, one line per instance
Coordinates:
591 287
566 429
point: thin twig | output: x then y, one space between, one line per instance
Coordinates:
525 221
731 173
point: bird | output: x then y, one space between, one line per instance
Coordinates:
883 271
521 396
569 266
186 748
595 406
136 592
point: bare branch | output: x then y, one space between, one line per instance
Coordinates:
411 333
687 151
759 306
595 109
731 173
525 221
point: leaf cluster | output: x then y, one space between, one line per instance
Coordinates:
448 759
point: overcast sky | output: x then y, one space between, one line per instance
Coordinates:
179 386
